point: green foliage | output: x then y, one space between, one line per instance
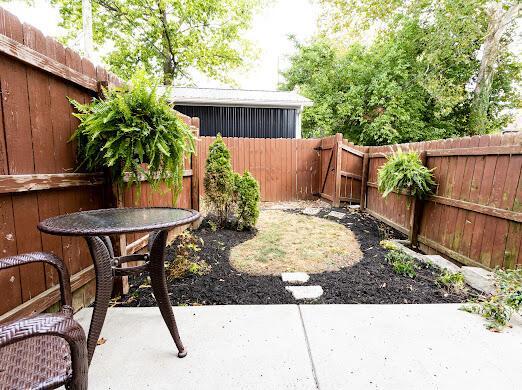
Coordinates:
227 192
402 263
452 281
411 83
404 171
187 260
247 200
389 245
500 306
131 128
168 38
219 180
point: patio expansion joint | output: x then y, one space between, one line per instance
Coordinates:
308 348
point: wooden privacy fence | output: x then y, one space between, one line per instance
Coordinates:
475 215
286 169
37 163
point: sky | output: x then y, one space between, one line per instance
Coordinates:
269 35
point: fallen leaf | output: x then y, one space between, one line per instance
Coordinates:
101 341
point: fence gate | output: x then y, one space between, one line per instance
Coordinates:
341 167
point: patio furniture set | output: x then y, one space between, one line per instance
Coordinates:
46 351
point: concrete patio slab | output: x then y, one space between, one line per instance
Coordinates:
410 347
229 347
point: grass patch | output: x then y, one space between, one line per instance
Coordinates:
287 242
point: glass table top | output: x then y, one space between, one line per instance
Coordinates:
117 221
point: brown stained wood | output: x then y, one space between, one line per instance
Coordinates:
43 145
478 251
417 208
47 298
22 53
337 173
194 166
481 151
351 150
512 199
351 175
447 152
9 279
46 181
364 181
387 221
463 235
17 126
478 208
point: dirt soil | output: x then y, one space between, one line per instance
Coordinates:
371 280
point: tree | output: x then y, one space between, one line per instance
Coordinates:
454 24
414 81
500 17
166 37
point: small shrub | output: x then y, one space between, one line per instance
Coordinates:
402 263
133 131
247 200
219 180
500 306
404 171
451 281
227 192
187 261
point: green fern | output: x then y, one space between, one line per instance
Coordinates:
133 132
404 171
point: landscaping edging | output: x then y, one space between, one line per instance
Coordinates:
476 277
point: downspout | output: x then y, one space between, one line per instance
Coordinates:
298 122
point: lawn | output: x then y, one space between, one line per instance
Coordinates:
287 242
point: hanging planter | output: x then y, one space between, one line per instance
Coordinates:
135 134
404 172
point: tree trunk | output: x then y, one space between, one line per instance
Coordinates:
87 28
169 63
499 21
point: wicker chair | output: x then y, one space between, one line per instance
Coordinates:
44 351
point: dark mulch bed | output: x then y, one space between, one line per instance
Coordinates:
372 280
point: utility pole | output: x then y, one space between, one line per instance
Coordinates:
87 28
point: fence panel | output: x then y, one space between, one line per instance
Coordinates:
37 163
286 169
474 216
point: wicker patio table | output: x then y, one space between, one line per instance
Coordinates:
96 226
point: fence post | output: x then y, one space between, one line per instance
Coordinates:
338 161
194 164
364 180
417 209
121 283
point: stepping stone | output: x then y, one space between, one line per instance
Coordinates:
295 277
336 214
305 292
479 279
311 211
354 206
441 262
